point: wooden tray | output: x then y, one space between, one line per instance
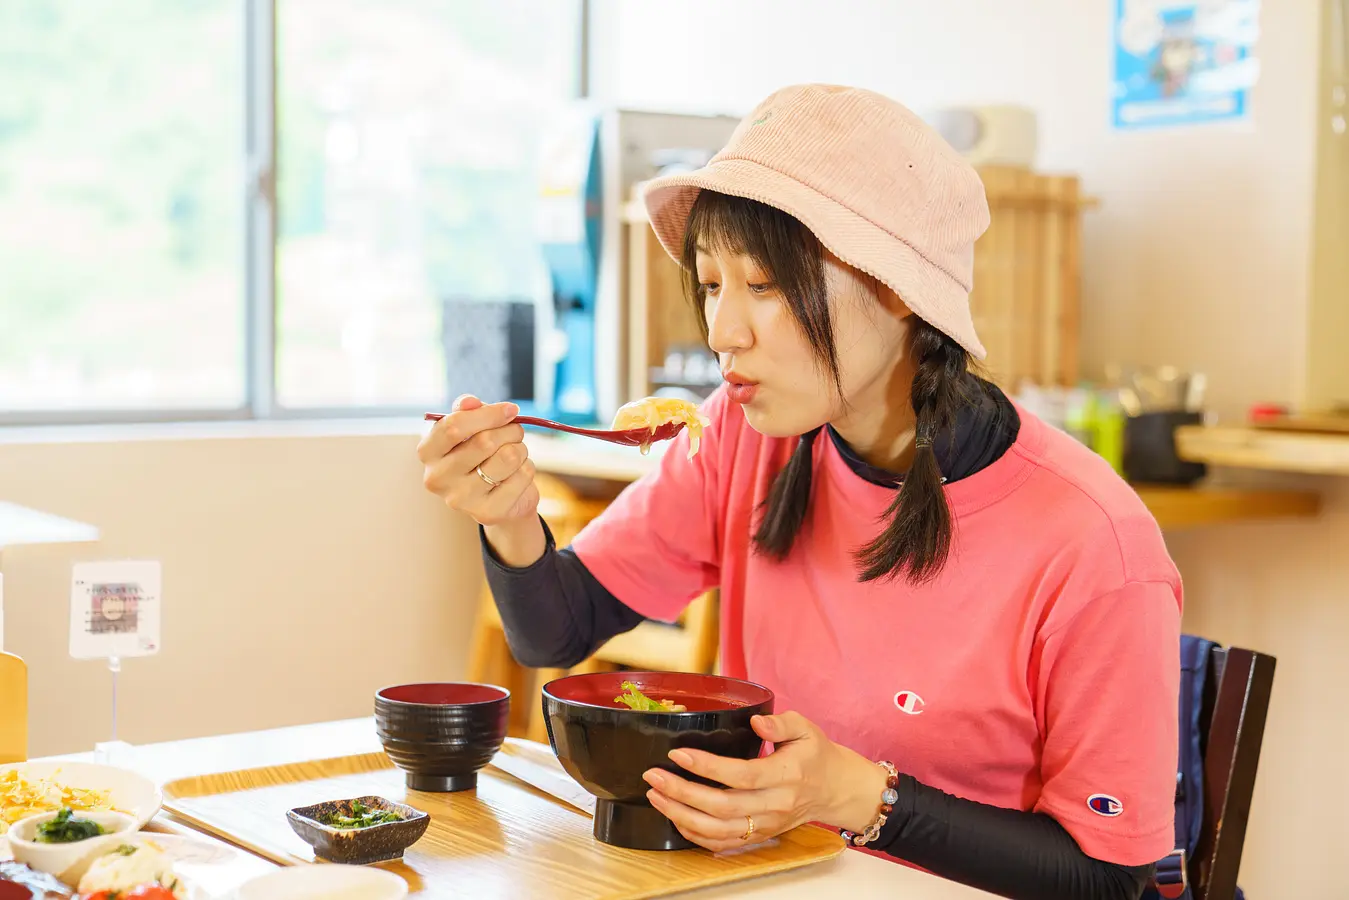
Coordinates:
504 840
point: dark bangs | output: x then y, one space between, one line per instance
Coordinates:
782 247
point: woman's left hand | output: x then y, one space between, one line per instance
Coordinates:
807 778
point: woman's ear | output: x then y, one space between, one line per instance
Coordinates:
891 302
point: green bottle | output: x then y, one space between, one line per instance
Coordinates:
1109 429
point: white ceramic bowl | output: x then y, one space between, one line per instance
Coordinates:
67 861
324 881
128 791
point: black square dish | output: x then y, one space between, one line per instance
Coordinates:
358 846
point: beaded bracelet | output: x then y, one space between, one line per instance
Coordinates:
889 797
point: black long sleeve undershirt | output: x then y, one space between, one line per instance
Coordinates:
556 613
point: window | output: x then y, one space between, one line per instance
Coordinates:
139 254
121 217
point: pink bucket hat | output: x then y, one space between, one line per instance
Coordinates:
878 187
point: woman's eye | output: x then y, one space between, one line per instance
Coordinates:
710 287
763 288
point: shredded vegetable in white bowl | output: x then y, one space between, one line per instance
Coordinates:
29 788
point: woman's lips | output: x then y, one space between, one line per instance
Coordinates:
741 390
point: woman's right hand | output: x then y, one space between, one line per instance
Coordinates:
475 460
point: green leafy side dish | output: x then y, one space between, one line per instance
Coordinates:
635 699
361 816
66 829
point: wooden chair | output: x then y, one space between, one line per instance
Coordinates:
1232 720
13 709
690 645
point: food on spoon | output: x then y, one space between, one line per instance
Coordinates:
130 867
22 796
66 828
635 699
653 412
361 816
20 881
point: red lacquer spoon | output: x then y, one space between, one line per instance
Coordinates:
632 437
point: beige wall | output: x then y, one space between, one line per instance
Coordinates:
1198 257
300 574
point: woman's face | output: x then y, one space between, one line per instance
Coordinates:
785 388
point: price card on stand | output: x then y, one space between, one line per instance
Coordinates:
114 610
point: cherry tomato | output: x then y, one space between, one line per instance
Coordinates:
148 892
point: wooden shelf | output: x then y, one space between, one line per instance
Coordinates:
1261 448
1174 507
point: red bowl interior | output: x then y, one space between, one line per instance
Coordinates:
700 693
443 694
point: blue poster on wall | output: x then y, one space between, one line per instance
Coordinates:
1183 63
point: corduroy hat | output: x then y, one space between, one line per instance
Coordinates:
879 188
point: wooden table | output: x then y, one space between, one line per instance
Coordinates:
1173 507
853 874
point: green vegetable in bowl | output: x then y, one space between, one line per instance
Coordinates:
65 829
635 699
361 816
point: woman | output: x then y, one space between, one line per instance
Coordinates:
971 623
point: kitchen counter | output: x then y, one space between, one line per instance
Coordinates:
1173 507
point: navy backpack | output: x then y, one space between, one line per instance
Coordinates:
1172 881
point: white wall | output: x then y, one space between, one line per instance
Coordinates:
1197 257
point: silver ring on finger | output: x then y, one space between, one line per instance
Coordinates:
491 482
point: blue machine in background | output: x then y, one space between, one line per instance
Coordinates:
569 224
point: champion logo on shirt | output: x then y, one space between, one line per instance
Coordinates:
1105 805
909 703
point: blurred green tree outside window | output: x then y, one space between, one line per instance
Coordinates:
406 138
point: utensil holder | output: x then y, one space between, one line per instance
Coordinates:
1150 448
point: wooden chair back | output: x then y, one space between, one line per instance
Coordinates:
13 709
1236 707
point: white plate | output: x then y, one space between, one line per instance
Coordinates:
315 882
128 792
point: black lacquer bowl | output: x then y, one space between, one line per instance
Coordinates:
606 746
442 734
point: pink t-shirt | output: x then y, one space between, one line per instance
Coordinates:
1039 671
